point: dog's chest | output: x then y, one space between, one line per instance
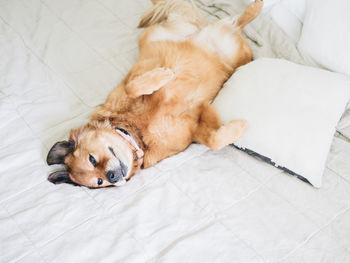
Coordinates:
171 130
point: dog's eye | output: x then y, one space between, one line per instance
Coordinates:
99 181
92 160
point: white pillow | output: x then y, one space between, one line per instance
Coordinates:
289 15
326 33
292 112
287 21
297 7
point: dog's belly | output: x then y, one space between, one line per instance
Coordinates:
178 32
219 37
198 75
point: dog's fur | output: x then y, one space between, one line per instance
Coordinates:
164 103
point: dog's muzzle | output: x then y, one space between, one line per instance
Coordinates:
117 176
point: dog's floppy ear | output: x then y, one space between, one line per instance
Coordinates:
59 151
60 177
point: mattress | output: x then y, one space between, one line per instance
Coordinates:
59 60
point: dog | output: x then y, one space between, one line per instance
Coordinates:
164 102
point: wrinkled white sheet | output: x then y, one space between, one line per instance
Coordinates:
58 60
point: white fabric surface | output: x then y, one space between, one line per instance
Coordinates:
292 112
325 35
59 59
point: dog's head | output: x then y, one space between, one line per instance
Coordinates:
96 156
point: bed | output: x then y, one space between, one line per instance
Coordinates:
59 60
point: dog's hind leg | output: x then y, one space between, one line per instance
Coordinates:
251 12
213 134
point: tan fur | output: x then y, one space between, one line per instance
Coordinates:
164 101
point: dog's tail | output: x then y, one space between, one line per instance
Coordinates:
161 9
251 12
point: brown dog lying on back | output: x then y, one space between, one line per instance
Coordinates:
164 103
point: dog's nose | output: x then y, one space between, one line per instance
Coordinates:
114 176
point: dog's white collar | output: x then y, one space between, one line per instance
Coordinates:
137 151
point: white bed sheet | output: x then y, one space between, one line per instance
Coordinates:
58 60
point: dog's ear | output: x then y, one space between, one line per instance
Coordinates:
59 151
60 177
